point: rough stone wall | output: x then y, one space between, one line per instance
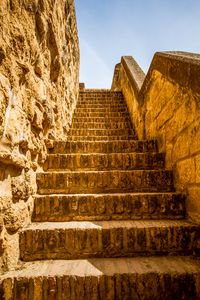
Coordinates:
173 117
167 108
39 70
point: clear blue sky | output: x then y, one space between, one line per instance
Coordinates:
109 29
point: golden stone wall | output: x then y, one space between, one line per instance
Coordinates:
39 70
166 107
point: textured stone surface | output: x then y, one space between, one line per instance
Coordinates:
97 161
94 223
166 108
113 279
108 207
71 240
104 181
104 147
39 70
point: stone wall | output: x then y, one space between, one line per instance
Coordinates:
167 108
39 70
128 77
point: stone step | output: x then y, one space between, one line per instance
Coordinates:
102 161
101 119
90 182
100 95
101 102
104 146
146 278
105 114
101 109
101 138
75 240
100 132
102 207
101 105
101 125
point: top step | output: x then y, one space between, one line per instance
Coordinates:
100 94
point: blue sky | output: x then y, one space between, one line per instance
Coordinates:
109 29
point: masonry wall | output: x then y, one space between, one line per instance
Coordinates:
167 108
39 71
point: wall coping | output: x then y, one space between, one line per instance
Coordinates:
134 73
179 67
182 68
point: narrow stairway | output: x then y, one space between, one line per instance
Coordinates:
107 222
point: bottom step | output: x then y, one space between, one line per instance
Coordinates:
111 279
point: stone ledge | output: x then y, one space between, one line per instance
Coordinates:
134 73
182 68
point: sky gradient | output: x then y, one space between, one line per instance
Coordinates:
109 29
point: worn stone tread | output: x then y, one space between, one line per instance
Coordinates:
74 240
100 132
103 161
155 278
105 181
106 109
107 266
101 138
97 105
105 114
101 125
108 207
104 146
103 119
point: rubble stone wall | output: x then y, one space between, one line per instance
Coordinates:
39 76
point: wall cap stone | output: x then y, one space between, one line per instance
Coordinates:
179 67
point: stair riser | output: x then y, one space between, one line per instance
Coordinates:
105 147
103 105
116 287
100 95
125 161
105 182
105 114
108 207
103 125
77 119
78 243
100 132
100 138
105 109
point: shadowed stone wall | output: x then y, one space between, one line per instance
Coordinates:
165 105
39 70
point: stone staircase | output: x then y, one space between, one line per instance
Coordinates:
107 223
